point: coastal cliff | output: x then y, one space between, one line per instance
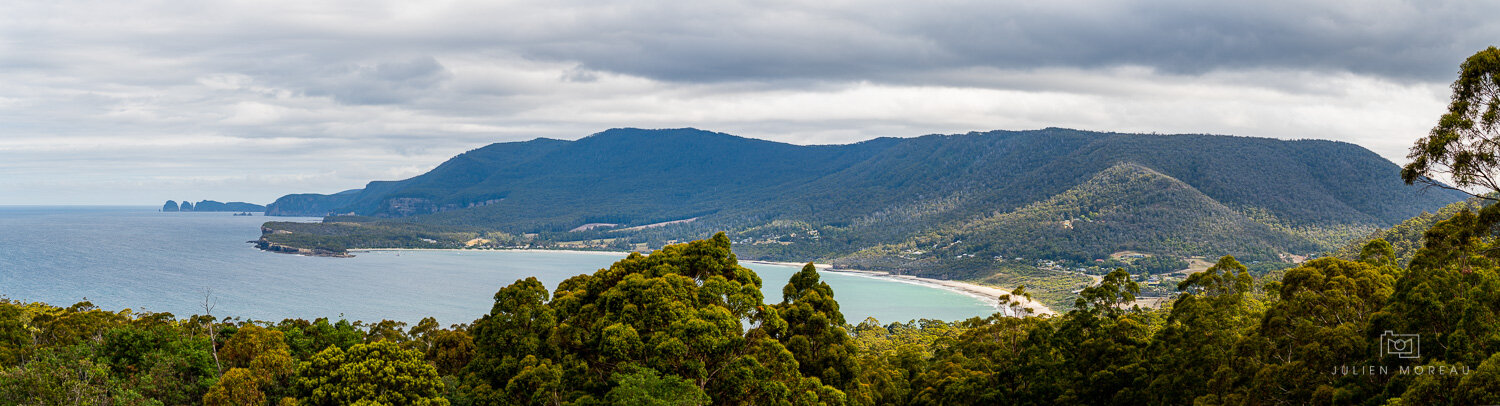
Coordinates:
315 252
264 243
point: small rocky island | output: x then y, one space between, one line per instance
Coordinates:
213 206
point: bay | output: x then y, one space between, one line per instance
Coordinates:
139 258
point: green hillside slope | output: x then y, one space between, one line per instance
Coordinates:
1127 207
1408 236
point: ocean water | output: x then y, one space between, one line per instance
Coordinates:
138 258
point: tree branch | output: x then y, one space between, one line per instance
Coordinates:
1429 183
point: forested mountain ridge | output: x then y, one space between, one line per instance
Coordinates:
784 201
549 185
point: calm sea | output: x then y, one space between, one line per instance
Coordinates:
136 257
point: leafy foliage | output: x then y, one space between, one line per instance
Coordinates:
815 331
687 325
646 387
238 386
1463 144
677 312
379 373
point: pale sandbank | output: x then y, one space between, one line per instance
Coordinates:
987 294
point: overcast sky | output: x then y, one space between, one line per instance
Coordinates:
137 102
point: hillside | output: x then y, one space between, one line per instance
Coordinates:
1408 236
1127 207
1001 192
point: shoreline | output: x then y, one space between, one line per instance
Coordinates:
987 294
620 253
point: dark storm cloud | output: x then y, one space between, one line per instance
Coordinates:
355 54
887 41
901 41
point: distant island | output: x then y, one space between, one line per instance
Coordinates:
213 206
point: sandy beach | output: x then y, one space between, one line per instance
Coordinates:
988 294
621 254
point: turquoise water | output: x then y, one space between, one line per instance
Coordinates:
135 257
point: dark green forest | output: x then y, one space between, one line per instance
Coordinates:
687 325
1408 236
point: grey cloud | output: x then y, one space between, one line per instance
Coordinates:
579 75
902 41
360 51
381 82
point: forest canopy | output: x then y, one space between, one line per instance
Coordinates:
688 325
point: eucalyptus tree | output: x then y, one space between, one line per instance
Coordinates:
685 313
1465 144
815 331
